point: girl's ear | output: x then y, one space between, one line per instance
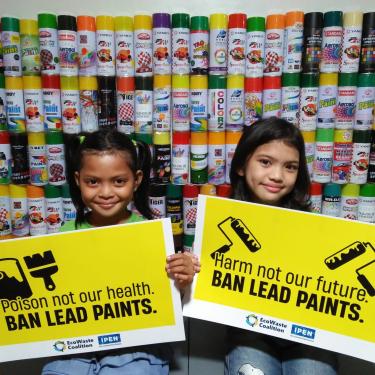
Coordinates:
76 178
138 179
241 172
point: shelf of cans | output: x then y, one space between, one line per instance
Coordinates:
188 86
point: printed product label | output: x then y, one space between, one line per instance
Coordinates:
198 167
37 216
5 163
253 107
351 49
30 55
181 111
180 164
308 108
190 215
68 52
180 49
236 51
34 110
254 53
216 164
327 106
69 210
52 109
235 109
89 110
54 214
316 204
349 208
309 153
38 165
364 108
331 49
87 53
360 163
366 209
105 51
199 51
198 110
11 53
218 51
229 152
273 48
313 49
20 166
143 52
322 162
162 109
158 207
56 164
5 221
368 50
293 48
216 109
124 53
345 107
49 53
271 103
162 163
125 111
331 206
15 111
70 111
162 56
143 111
19 216
3 116
342 157
290 104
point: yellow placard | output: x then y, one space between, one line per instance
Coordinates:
301 276
82 287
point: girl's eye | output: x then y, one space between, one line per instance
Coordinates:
292 167
120 181
92 181
265 162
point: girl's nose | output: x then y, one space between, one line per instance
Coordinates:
106 191
276 173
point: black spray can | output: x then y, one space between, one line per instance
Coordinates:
312 42
367 60
20 160
107 102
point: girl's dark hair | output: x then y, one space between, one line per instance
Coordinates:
262 132
138 158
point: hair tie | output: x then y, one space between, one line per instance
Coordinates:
81 139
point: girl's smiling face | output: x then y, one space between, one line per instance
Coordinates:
107 185
271 172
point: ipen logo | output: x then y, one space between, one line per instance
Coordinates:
304 332
109 339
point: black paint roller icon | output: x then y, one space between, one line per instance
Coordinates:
242 232
42 266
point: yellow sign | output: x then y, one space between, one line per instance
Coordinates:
300 276
88 290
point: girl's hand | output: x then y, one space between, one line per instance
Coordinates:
182 268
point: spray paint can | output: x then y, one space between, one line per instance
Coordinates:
180 103
199 45
316 198
143 104
342 156
293 40
331 200
224 191
107 109
161 45
48 42
180 43
5 158
366 203
208 189
255 39
86 36
351 42
274 45
290 97
37 210
37 159
55 158
157 200
367 59
216 158
365 101
331 44
180 158
323 155
3 114
309 139
20 159
217 92
371 169
235 102
10 38
190 203
231 141
70 105
198 158
124 41
308 107
162 103
5 220
162 157
271 96
1 54
346 100
218 43
33 102
253 100
14 104
125 104
236 43
175 213
312 42
349 201
30 47
143 45
361 156
51 102
54 208
198 103
88 97
327 100
105 45
68 46
19 210
69 211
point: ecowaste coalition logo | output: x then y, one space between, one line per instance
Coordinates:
252 320
59 346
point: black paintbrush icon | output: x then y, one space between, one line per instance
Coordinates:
42 266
